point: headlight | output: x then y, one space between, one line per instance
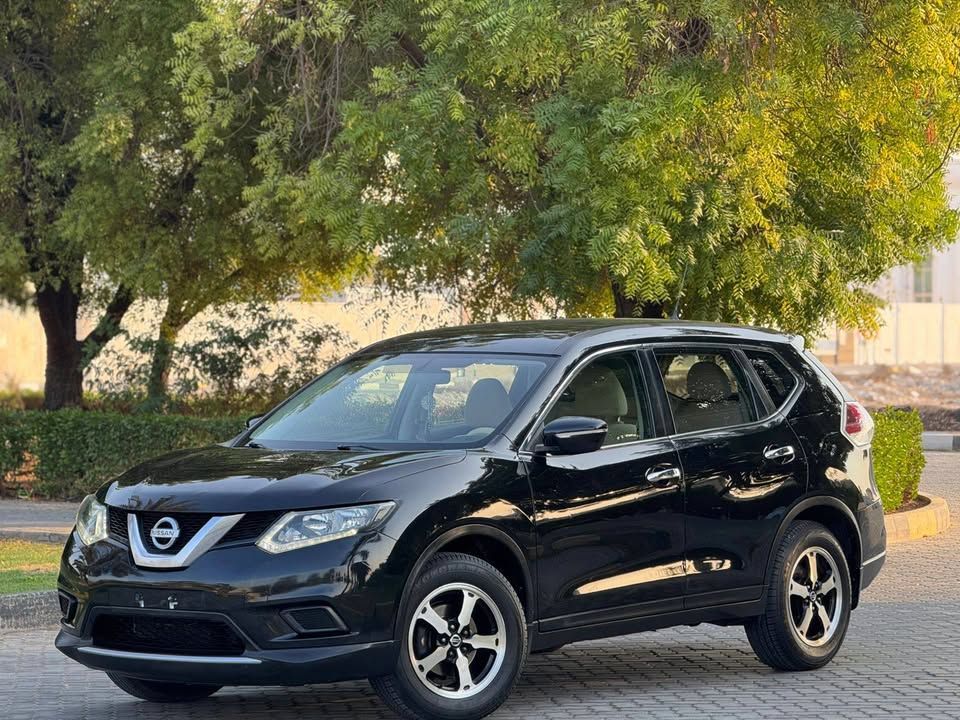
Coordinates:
312 527
91 521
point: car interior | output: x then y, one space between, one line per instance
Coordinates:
703 391
605 389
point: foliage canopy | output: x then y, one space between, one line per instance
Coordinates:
578 156
104 199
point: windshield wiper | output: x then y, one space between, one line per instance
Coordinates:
356 447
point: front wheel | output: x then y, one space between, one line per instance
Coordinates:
464 642
807 604
156 691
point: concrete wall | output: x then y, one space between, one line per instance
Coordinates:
360 314
912 334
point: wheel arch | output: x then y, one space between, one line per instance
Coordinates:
487 542
836 517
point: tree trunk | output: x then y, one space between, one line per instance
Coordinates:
66 356
173 321
63 381
625 307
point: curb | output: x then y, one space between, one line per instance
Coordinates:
931 519
56 537
942 441
21 611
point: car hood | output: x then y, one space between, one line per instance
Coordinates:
234 480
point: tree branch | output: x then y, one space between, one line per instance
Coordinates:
413 51
943 161
109 325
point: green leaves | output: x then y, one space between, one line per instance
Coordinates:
787 153
526 155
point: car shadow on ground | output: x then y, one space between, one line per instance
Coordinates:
572 674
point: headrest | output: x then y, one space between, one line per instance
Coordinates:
597 393
707 382
487 404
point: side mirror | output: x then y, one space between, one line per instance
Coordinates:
572 435
253 420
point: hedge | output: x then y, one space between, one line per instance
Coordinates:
66 454
69 453
897 456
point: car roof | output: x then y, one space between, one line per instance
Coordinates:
560 337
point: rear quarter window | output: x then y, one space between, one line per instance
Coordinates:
817 395
775 376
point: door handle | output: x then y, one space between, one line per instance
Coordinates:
663 475
784 453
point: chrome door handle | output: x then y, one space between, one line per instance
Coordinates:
663 475
785 453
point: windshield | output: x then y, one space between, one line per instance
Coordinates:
408 400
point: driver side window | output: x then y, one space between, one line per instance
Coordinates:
608 389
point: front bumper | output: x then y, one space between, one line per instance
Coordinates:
257 597
294 666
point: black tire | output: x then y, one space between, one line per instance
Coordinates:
775 635
406 694
166 692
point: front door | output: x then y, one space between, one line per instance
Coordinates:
742 466
610 521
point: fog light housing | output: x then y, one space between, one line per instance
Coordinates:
68 606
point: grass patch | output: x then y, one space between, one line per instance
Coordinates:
26 566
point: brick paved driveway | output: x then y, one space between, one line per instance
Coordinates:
901 659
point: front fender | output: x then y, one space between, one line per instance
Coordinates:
483 496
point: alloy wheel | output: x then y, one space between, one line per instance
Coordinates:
456 641
815 597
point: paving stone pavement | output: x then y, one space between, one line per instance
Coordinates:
901 659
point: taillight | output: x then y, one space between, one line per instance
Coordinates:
857 423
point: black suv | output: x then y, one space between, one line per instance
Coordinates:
438 505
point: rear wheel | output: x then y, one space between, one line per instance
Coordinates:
807 604
464 642
156 691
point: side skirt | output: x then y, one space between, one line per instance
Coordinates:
729 614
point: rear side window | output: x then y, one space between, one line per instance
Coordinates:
705 390
776 377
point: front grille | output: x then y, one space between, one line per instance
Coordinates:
251 526
190 524
174 636
118 523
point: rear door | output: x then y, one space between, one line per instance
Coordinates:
742 467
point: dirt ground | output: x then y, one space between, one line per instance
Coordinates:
934 390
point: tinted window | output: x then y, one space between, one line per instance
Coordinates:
705 390
409 400
775 376
608 389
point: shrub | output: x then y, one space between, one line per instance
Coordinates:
897 456
17 399
69 453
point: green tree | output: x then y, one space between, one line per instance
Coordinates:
581 156
44 48
135 202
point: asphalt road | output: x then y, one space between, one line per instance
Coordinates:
901 659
